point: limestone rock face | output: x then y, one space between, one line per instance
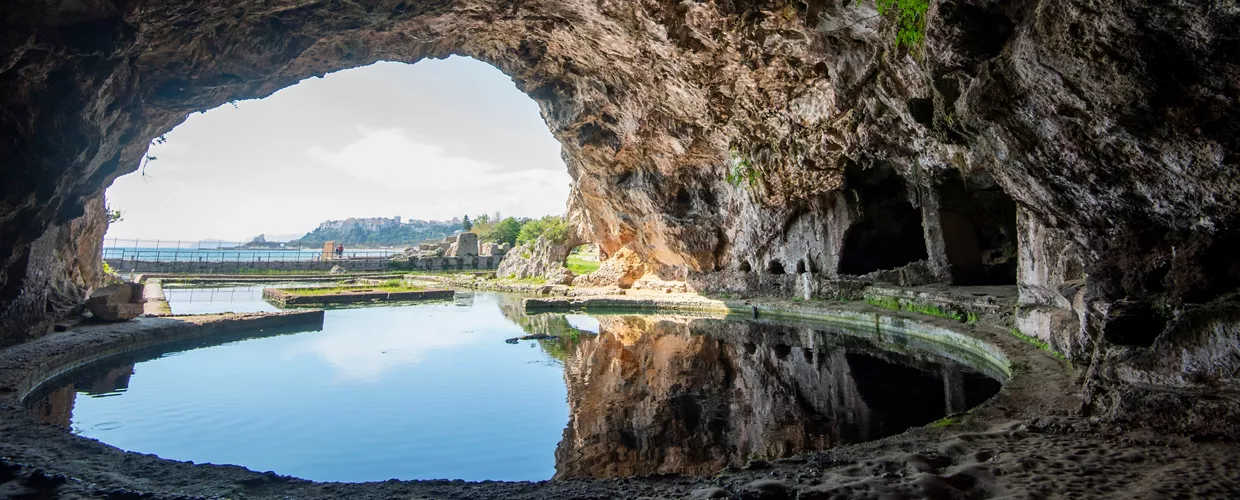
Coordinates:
620 269
1116 131
63 266
541 258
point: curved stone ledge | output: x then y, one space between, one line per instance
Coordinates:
1038 385
850 314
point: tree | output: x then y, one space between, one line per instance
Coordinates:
551 226
465 224
506 231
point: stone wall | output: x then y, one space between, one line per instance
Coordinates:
541 258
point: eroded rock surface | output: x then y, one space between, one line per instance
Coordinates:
541 259
1115 132
620 269
119 302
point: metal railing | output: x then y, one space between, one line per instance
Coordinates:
139 250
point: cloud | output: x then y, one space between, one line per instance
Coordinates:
359 356
394 159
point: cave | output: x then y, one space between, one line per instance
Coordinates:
888 231
978 222
775 267
1102 179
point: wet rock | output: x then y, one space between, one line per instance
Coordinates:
767 489
121 302
535 336
708 493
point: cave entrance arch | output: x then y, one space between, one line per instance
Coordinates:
887 233
93 85
446 144
584 258
978 222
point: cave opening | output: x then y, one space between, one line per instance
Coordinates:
888 232
978 220
775 267
393 154
584 259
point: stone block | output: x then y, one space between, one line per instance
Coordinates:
120 302
466 245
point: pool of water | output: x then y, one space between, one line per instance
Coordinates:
433 391
203 300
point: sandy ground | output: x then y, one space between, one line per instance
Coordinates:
1027 442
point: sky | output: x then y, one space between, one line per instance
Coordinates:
433 140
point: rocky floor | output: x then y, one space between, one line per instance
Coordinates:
1027 442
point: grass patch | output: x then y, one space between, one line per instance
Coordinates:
945 422
532 280
579 265
1040 344
388 286
929 310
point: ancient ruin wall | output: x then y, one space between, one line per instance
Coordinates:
1112 126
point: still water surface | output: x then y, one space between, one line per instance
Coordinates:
433 391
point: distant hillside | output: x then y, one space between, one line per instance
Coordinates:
378 231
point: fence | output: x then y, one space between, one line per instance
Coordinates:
220 257
139 250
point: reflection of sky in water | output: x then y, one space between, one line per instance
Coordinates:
434 391
215 300
583 322
411 392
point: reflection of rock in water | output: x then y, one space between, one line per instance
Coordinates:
56 408
112 380
555 325
659 395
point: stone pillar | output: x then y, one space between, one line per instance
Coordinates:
954 400
1051 279
932 225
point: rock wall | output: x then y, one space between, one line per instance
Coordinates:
60 270
541 258
619 269
1113 127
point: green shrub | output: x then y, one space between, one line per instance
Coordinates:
910 18
503 231
552 227
741 171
